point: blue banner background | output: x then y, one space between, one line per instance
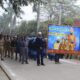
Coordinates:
62 30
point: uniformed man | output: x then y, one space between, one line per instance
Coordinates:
39 47
24 51
2 46
13 46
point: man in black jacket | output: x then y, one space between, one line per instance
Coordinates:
39 47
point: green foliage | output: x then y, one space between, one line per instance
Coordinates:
68 21
23 28
30 28
27 28
69 8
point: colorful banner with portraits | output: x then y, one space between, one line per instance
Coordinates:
63 39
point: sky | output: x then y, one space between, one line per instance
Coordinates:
28 12
30 15
78 3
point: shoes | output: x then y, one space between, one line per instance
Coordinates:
22 63
2 59
11 58
43 64
8 56
27 63
38 64
57 62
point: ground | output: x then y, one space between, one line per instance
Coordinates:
3 75
67 70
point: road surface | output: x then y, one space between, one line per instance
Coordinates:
3 75
67 70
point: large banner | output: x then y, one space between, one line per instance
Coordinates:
63 39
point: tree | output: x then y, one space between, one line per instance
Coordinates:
56 9
68 21
16 4
8 20
23 28
32 27
27 28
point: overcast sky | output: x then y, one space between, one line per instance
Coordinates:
78 3
28 13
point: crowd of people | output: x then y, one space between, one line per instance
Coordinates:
21 48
